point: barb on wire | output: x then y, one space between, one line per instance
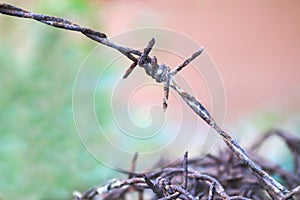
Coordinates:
161 73
185 167
133 164
153 187
187 61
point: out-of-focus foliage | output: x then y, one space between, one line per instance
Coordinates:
40 152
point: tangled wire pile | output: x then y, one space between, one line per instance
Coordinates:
212 177
196 179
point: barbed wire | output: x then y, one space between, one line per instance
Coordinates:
161 73
222 177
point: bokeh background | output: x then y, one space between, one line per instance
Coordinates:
255 45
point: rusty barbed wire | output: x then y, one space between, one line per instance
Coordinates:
161 73
221 176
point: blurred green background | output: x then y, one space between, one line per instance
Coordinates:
40 152
41 156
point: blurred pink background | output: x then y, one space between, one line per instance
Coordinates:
255 44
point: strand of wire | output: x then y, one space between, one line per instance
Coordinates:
68 25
